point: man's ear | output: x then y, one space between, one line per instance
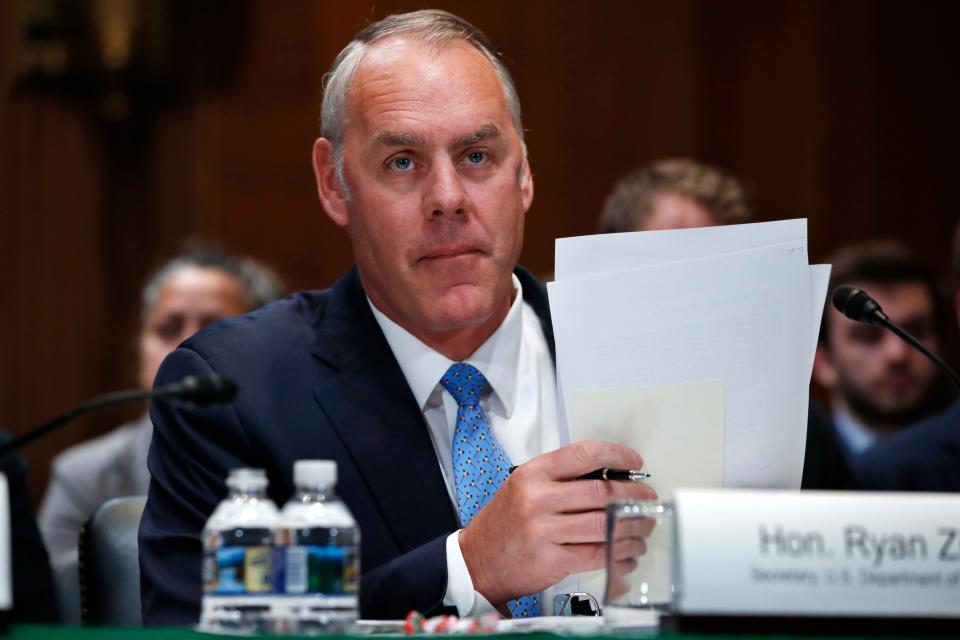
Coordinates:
824 372
526 185
331 192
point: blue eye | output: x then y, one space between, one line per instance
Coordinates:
401 163
477 157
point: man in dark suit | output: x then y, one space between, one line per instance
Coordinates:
879 385
422 161
925 457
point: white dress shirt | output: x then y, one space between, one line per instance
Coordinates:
521 406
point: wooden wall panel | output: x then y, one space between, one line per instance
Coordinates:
7 277
918 130
765 106
843 112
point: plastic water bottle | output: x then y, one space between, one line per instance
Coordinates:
317 555
238 557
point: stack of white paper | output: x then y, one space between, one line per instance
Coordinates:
693 346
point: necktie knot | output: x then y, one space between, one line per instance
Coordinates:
465 383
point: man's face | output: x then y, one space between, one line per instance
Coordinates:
438 187
190 299
877 375
676 211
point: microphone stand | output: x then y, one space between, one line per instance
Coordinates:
210 389
117 397
919 346
856 304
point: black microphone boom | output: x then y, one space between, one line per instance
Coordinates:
201 390
857 305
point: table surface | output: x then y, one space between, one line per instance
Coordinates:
36 632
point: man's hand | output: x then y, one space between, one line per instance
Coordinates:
543 524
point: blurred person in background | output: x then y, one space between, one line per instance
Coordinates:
878 384
926 456
189 292
675 194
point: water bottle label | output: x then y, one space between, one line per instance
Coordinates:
211 576
257 569
238 570
327 569
295 570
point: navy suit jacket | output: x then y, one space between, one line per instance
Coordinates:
924 457
824 463
316 379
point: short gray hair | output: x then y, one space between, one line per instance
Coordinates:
260 284
434 28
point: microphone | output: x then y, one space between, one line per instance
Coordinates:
200 390
857 305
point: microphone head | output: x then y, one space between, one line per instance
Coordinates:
857 305
205 390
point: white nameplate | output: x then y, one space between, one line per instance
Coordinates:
6 590
757 552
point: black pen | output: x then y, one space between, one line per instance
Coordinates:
606 473
615 474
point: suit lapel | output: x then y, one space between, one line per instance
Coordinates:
370 405
535 294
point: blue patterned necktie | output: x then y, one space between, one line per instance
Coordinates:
480 465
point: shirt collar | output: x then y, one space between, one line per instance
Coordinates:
498 358
856 436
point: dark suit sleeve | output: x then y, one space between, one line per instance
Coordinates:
192 452
415 581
